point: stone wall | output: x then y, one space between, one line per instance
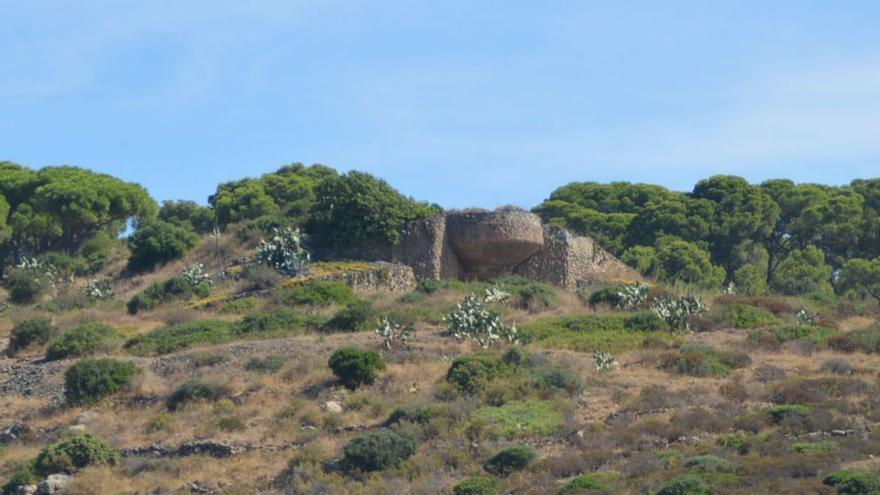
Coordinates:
480 245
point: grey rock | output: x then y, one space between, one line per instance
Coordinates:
332 406
26 490
54 483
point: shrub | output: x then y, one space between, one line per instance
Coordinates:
83 340
744 316
854 481
356 315
558 379
585 482
413 414
162 292
394 334
195 391
239 306
648 321
837 366
355 367
481 485
518 419
701 360
864 340
474 319
23 476
779 413
609 295
687 484
275 321
75 453
25 288
510 460
377 450
259 277
709 464
471 374
28 333
284 251
181 336
320 294
266 365
158 242
589 333
527 294
776 336
677 313
91 379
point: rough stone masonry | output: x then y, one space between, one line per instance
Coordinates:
485 244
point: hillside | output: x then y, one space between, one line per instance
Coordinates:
229 349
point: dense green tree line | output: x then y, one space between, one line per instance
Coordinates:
778 235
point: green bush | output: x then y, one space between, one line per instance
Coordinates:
471 374
175 288
356 315
27 333
158 242
25 288
864 340
279 321
195 391
266 365
181 336
779 413
744 316
240 306
608 295
709 464
414 414
377 450
557 379
527 294
687 484
91 379
775 336
320 294
589 333
24 475
355 367
522 419
854 481
510 460
701 360
75 453
83 340
481 485
647 321
585 483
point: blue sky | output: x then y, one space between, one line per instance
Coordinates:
462 103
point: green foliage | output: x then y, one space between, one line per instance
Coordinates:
473 318
267 365
803 272
779 335
90 379
677 313
378 450
510 460
181 336
557 379
278 321
679 261
519 419
854 481
196 391
157 242
284 251
356 315
608 295
701 360
813 448
83 340
748 317
862 277
357 208
75 453
779 413
355 367
642 258
589 333
239 306
527 294
480 485
863 340
471 374
188 215
420 414
687 484
709 464
24 475
28 333
587 482
320 294
647 321
175 288
25 288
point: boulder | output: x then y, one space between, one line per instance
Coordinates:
54 483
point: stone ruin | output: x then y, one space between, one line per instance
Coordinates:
481 245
